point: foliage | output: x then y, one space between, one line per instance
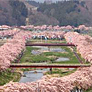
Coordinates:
67 13
8 75
61 72
83 3
44 57
19 11
28 57
89 90
77 30
33 3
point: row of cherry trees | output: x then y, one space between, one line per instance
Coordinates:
50 27
82 78
13 47
83 43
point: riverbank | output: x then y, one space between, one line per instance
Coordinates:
36 74
16 75
9 75
47 41
60 72
89 90
49 56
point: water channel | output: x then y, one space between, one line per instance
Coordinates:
46 49
30 76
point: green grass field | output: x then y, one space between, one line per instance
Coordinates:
49 57
60 72
47 41
89 90
7 76
28 57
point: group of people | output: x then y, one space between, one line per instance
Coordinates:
49 35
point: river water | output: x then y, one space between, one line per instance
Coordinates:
60 59
46 49
30 76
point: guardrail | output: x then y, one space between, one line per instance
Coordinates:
48 66
49 44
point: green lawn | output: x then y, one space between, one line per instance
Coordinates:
60 72
89 90
7 76
28 57
47 41
49 57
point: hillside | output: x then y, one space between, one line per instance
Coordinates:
15 12
33 3
69 13
28 5
37 17
12 12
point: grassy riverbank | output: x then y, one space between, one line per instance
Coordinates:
48 57
47 41
59 72
9 75
2 42
89 90
28 57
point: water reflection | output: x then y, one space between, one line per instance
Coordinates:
46 49
62 59
30 76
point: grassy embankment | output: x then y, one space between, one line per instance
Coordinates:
2 42
89 90
59 72
47 41
48 57
9 75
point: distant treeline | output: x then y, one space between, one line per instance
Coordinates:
12 12
19 12
73 12
66 12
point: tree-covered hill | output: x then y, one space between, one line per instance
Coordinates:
12 12
68 12
33 3
73 12
15 12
